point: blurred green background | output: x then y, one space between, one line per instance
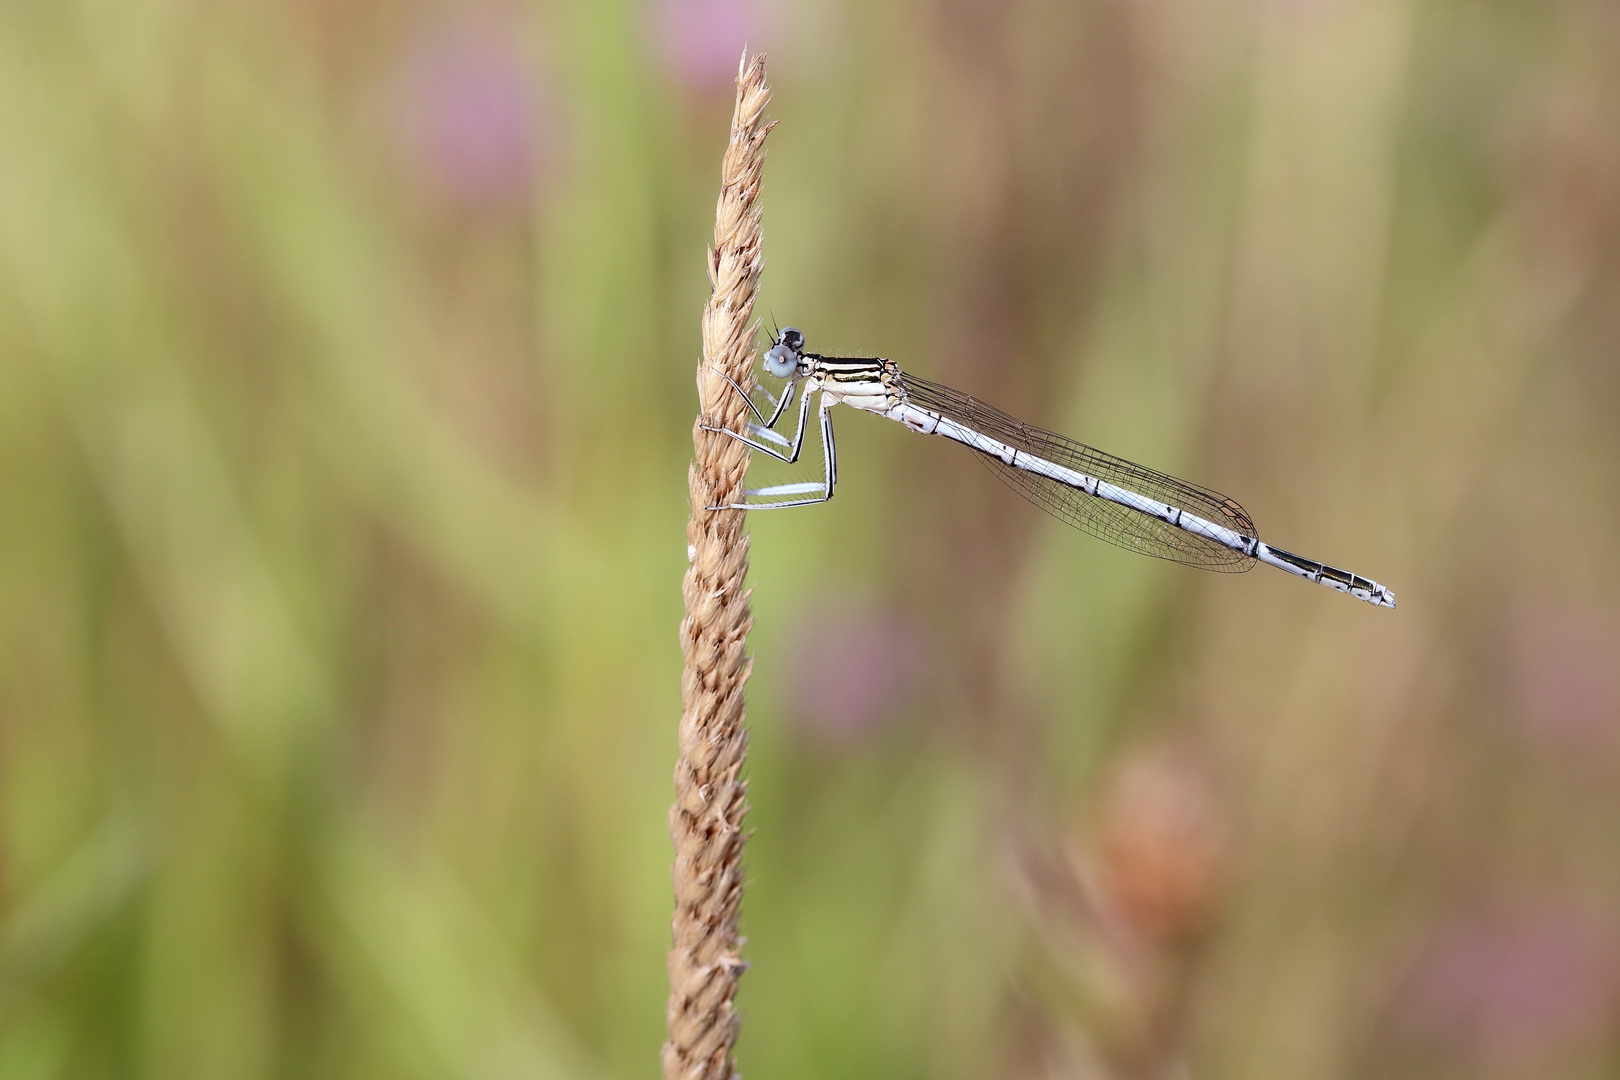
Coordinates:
346 387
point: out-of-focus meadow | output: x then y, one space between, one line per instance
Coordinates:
346 387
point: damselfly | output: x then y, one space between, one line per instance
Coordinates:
1111 498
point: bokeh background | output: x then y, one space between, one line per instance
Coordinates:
346 386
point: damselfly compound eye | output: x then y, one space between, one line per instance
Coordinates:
781 361
791 337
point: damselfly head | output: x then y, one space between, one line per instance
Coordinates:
782 359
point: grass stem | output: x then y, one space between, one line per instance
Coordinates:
705 821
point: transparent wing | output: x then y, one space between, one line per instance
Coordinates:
1105 520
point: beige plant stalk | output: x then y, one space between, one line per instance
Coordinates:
705 821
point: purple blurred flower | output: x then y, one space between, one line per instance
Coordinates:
700 41
1514 987
468 107
1565 667
852 668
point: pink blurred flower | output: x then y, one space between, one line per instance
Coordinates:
468 107
1514 987
700 41
852 669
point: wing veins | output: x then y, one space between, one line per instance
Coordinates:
1110 521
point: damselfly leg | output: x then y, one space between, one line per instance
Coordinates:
829 451
777 403
792 454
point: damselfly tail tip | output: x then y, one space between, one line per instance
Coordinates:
1380 596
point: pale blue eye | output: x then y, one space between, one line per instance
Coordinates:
780 361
